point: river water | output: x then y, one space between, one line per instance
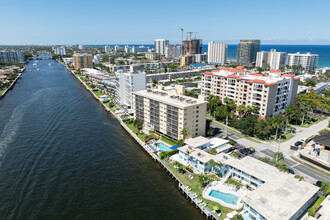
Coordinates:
62 156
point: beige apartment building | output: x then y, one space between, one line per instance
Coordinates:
82 60
151 55
169 111
273 93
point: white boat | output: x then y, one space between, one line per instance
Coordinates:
34 64
38 69
49 64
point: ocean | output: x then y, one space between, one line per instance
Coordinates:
322 50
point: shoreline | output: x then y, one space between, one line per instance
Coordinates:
182 187
13 84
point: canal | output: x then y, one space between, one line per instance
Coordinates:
62 156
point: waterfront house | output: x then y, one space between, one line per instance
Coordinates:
196 153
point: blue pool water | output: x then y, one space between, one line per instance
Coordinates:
163 147
226 197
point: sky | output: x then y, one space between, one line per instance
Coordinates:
141 21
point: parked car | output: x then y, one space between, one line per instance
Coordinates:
298 143
290 171
318 183
292 147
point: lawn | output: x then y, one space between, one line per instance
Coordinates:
135 131
97 93
2 91
284 138
168 141
196 187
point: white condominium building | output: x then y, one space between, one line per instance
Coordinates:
12 56
271 59
107 49
272 93
160 45
126 84
59 50
169 112
308 61
217 53
172 51
201 57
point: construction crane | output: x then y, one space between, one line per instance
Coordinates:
181 41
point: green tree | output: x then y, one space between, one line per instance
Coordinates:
278 156
241 109
310 82
213 151
185 133
237 217
221 113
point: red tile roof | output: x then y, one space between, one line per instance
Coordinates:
240 67
296 78
215 70
275 71
224 68
3 77
209 73
256 74
288 75
237 70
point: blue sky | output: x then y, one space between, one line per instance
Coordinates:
142 21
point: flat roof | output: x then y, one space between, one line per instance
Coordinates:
281 197
323 139
197 141
170 97
216 142
255 168
203 156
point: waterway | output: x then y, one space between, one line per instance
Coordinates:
62 156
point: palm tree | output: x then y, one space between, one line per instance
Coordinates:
241 109
278 156
185 133
255 109
226 100
277 122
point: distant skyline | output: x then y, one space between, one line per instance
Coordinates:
62 22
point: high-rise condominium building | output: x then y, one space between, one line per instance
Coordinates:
169 112
247 52
271 59
82 60
308 61
201 57
81 47
173 51
140 49
107 49
217 53
12 56
193 46
160 45
126 83
272 93
60 50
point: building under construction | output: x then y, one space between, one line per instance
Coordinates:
192 46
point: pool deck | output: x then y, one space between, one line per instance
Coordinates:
225 188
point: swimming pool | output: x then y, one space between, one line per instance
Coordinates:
226 197
163 147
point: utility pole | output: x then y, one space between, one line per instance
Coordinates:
279 143
226 126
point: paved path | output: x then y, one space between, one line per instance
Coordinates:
268 149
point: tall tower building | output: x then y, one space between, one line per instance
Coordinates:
271 59
160 45
217 53
107 49
247 52
82 60
308 61
193 46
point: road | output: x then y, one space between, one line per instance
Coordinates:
268 148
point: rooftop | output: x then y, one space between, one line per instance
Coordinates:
197 141
170 97
281 197
323 139
250 76
255 168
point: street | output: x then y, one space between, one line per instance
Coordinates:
267 149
